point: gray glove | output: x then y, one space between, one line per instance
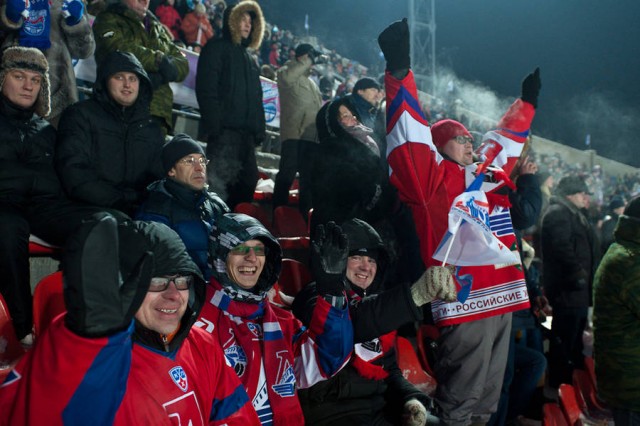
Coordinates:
436 283
414 413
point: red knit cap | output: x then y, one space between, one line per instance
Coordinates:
445 130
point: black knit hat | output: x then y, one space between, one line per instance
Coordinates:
570 185
365 83
306 48
180 146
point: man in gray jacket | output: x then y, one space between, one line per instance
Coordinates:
300 100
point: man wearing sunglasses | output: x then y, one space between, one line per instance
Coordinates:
125 352
182 201
272 353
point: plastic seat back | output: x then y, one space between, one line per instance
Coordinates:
411 368
570 405
288 222
293 277
256 212
587 396
552 415
10 348
48 302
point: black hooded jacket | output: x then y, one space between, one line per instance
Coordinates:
374 313
228 85
107 154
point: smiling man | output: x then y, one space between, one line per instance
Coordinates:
108 146
182 201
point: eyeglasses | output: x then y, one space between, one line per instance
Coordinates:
463 140
243 250
182 282
191 161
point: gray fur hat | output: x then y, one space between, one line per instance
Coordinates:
30 59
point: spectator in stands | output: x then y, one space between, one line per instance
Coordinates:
371 388
31 197
300 100
128 26
616 207
271 352
108 146
169 16
126 349
365 98
61 30
230 98
181 199
429 170
196 27
568 258
616 320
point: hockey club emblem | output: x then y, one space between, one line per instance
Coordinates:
286 379
179 377
237 359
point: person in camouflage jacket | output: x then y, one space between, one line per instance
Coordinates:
129 26
616 319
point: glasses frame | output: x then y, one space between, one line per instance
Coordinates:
191 161
244 250
168 280
461 139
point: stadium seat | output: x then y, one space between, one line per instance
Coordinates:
40 248
570 405
10 348
293 277
48 302
588 398
288 222
552 415
411 369
427 337
590 366
255 211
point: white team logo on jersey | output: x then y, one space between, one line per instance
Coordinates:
179 377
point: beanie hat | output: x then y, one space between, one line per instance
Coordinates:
180 146
365 83
29 59
616 202
445 130
305 48
570 185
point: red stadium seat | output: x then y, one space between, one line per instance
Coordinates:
288 222
40 248
588 398
10 348
427 336
48 302
255 211
293 277
590 366
552 415
570 405
411 369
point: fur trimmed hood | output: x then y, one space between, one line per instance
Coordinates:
231 27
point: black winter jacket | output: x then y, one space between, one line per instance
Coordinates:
228 85
568 255
26 156
348 395
107 154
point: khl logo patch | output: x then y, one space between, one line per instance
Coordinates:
179 377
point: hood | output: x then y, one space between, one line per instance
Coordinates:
362 236
170 257
231 230
327 122
231 24
121 62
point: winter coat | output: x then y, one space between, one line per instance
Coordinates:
26 156
356 391
616 314
228 85
567 255
300 100
119 28
108 154
189 212
131 376
191 29
170 17
67 43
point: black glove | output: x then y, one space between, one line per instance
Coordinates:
98 302
168 69
329 259
531 86
394 43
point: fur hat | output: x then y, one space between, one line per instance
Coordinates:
180 146
570 185
29 59
445 130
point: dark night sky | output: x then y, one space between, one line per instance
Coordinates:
588 52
